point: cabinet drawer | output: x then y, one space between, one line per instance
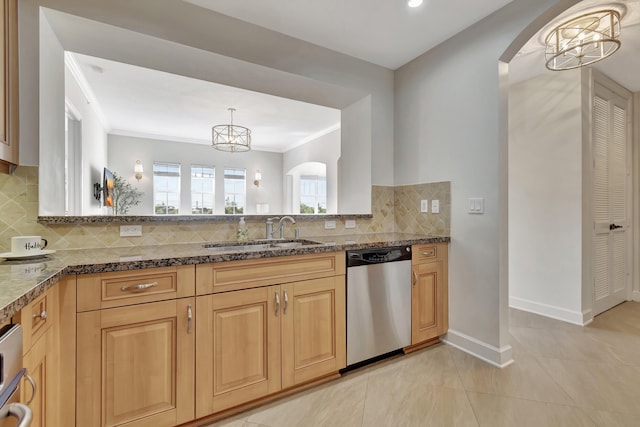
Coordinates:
236 275
429 252
37 317
107 290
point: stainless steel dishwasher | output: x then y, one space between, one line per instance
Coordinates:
378 302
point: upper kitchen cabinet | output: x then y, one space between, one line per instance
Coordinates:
9 88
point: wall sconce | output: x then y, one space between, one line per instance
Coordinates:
257 179
138 170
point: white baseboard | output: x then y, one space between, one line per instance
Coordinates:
558 313
499 357
635 296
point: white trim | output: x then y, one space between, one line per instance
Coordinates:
635 296
499 357
77 74
551 311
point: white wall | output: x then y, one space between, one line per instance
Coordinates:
545 195
355 168
448 128
94 145
125 150
636 201
325 149
51 125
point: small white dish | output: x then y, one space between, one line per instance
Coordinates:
11 256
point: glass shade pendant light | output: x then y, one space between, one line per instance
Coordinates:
583 40
231 138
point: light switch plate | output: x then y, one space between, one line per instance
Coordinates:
329 225
130 230
350 223
424 206
476 205
435 206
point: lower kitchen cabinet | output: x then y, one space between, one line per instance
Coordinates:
313 329
135 365
429 292
256 342
41 365
39 320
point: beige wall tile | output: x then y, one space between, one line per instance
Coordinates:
393 209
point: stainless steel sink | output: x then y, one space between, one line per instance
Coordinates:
258 245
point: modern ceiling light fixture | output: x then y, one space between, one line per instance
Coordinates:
231 138
414 3
583 40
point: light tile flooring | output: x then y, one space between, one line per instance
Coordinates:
563 375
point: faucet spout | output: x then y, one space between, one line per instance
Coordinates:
280 227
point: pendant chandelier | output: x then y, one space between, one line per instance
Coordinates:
231 138
583 40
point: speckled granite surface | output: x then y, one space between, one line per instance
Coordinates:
22 281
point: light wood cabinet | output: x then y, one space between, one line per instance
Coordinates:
9 124
429 292
39 320
136 347
135 365
313 329
255 342
41 364
238 348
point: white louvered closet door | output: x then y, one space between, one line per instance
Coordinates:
611 199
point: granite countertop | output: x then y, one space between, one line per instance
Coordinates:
23 281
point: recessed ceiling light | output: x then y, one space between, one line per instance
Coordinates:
414 3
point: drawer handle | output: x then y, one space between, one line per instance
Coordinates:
42 315
140 287
427 253
286 303
277 302
415 278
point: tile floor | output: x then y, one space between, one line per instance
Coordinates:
563 375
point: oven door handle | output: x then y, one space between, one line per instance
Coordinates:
22 412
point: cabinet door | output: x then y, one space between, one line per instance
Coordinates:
41 367
8 84
135 365
238 354
428 302
313 329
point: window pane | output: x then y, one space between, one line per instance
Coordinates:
234 190
313 194
166 188
202 189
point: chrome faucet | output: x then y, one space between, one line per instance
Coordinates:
280 227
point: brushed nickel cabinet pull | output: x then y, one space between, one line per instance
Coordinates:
140 287
277 302
42 315
33 387
415 278
427 253
189 318
286 303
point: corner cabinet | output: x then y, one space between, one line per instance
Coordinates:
136 346
429 292
286 329
9 124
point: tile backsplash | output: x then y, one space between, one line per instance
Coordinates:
393 209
